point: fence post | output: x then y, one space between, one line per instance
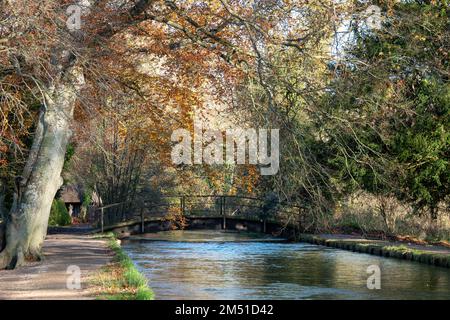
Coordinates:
101 219
224 213
300 217
183 205
123 207
264 225
142 221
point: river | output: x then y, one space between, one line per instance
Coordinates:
218 265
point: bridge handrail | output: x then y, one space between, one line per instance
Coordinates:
182 198
232 196
202 196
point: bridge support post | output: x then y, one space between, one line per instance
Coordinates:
101 219
142 221
223 212
183 205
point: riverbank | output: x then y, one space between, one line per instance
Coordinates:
49 279
120 280
428 254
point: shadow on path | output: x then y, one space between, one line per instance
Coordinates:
48 279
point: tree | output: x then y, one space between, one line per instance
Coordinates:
68 68
387 114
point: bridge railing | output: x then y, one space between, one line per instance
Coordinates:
225 206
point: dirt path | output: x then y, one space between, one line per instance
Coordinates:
48 279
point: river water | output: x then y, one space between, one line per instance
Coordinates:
217 265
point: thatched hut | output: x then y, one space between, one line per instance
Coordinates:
72 198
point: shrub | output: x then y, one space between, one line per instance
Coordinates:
59 216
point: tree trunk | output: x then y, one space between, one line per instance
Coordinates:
27 224
434 215
2 200
2 213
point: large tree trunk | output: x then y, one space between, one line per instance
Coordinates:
2 213
27 222
2 199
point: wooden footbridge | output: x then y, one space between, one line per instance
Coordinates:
199 212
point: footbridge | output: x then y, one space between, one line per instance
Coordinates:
220 212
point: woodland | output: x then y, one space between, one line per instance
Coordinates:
362 107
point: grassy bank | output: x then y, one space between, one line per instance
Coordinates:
120 280
381 249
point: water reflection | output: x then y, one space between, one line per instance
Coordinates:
264 270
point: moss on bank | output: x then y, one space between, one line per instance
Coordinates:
120 280
381 249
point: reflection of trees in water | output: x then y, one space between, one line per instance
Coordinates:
285 265
180 270
407 279
212 270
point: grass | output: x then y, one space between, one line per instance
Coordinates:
418 255
393 251
120 280
402 249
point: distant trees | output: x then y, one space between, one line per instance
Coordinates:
373 116
387 116
285 93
